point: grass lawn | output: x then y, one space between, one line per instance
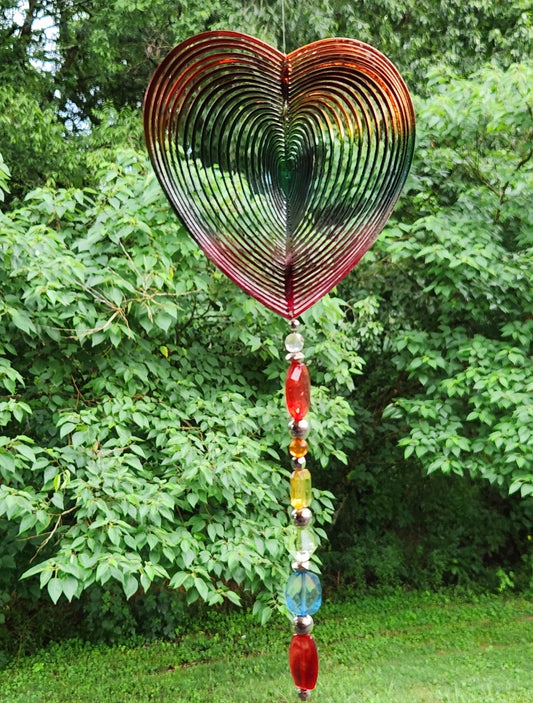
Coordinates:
405 648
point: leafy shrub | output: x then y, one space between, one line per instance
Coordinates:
442 307
142 411
141 408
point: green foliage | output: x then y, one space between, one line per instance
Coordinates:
5 173
442 308
396 525
33 144
417 35
142 452
142 406
160 613
469 253
106 51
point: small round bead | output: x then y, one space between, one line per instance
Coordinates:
304 694
301 565
298 447
294 342
299 428
303 624
302 517
298 462
298 356
294 323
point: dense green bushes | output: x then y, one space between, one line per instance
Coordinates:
448 373
142 408
143 441
448 376
143 421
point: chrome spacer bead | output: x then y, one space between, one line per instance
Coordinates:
303 624
301 517
300 565
294 324
298 356
299 428
304 694
298 462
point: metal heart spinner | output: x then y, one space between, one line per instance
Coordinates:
283 168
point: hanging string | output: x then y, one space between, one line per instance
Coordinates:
283 37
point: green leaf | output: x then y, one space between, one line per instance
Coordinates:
27 523
146 582
188 557
233 597
37 569
201 587
58 501
27 452
22 321
131 585
7 463
178 579
67 428
55 588
69 586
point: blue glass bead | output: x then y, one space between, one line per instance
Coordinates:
303 593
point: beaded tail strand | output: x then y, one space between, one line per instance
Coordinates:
303 592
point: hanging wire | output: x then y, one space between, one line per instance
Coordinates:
283 30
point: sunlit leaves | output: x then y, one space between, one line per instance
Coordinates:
469 259
144 420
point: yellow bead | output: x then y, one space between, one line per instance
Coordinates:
301 492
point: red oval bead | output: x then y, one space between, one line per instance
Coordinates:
298 390
303 661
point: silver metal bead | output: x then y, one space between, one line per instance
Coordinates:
303 624
301 517
304 694
299 428
298 462
301 565
294 323
299 356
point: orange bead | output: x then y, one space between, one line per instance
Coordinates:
298 447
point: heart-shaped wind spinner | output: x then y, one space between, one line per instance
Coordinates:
284 168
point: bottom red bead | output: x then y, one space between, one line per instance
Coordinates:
303 661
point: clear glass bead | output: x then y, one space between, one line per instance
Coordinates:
303 624
294 342
301 517
301 543
299 428
301 565
298 462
